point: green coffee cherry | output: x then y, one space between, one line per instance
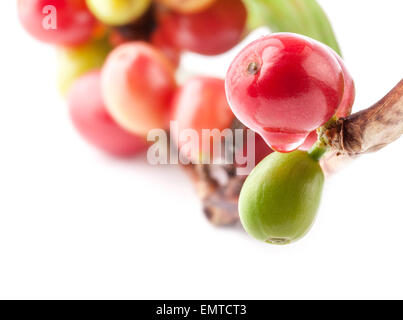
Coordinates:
280 198
74 62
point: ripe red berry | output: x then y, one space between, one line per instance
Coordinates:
212 31
138 85
90 117
201 104
61 22
347 102
345 106
309 141
284 86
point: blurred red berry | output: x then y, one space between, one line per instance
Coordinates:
210 32
201 104
138 84
60 22
90 117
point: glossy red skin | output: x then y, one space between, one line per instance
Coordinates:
345 107
297 88
344 110
91 119
138 85
309 141
75 23
347 102
200 104
210 32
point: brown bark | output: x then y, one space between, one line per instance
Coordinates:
371 129
363 132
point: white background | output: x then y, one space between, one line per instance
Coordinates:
76 224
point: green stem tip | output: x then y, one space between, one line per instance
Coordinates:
318 150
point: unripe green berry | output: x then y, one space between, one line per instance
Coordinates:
74 62
280 198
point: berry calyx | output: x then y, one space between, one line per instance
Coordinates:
284 86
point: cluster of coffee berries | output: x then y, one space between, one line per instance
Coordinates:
117 65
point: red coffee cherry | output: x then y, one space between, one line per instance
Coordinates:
210 32
201 104
347 102
74 24
138 84
90 117
284 86
345 107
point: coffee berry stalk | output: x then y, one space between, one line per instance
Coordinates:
341 141
279 200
